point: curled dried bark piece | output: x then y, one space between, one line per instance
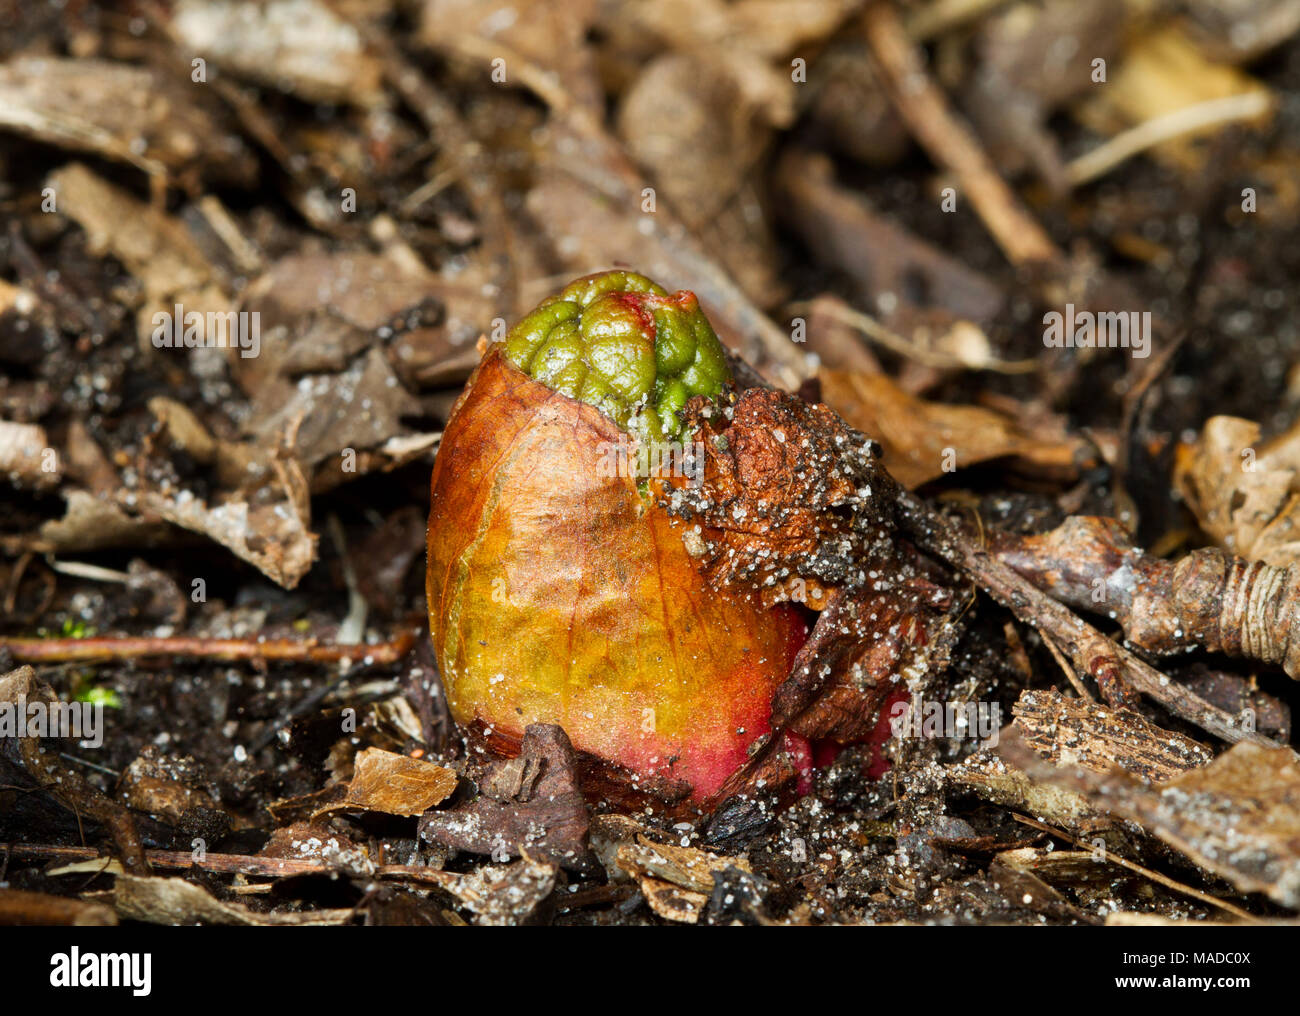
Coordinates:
1207 599
1099 738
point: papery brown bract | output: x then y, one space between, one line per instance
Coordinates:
560 594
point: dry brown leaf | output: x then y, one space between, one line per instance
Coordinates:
687 867
359 408
672 902
395 785
273 537
1245 495
697 134
91 523
313 297
924 440
123 112
301 46
184 428
854 659
528 805
766 28
1238 816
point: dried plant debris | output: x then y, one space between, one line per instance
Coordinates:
173 788
1031 892
1241 696
677 882
23 695
864 647
775 472
332 306
324 843
359 408
988 775
1164 73
395 784
530 804
176 901
548 34
877 254
273 536
301 46
668 124
922 441
153 246
91 523
683 866
1244 491
1022 80
1235 816
1206 599
18 907
1072 731
122 113
26 456
517 893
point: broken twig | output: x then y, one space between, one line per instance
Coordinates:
107 648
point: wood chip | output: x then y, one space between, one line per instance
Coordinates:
1099 737
687 867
